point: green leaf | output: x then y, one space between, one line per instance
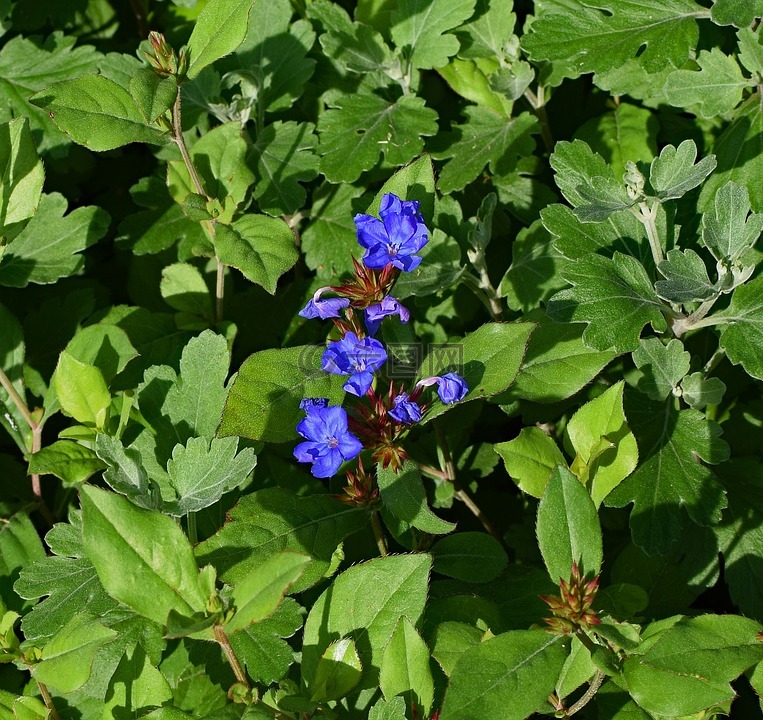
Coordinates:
136 686
451 640
604 447
97 113
30 708
366 602
142 558
154 94
49 245
284 158
71 462
663 366
685 276
359 128
568 527
20 547
21 173
220 28
575 164
743 333
126 474
261 247
469 556
67 658
403 494
508 676
393 709
699 391
405 667
488 359
105 346
489 31
604 289
557 363
669 475
183 288
263 403
471 81
584 39
12 354
82 391
729 230
28 65
202 471
739 157
413 182
419 27
274 519
751 49
485 139
674 172
715 89
740 13
529 458
257 595
440 268
339 671
219 157
687 668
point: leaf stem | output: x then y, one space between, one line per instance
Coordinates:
17 399
192 534
381 542
646 215
538 104
230 656
589 694
48 700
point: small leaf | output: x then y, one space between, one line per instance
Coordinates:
451 640
685 276
663 366
153 93
71 462
21 172
338 671
403 495
728 230
674 173
259 594
183 288
699 391
743 334
105 346
97 113
469 556
82 391
568 527
529 458
220 28
261 247
405 667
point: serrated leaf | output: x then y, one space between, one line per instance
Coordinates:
489 32
586 39
126 474
742 336
740 13
403 494
751 49
284 158
48 247
97 113
603 289
261 247
663 366
271 520
339 671
366 602
715 89
142 558
669 474
357 129
474 557
68 656
729 230
257 595
485 139
575 163
686 278
421 26
699 392
21 172
674 172
136 686
405 667
393 709
602 197
219 30
529 458
568 527
508 676
71 462
202 471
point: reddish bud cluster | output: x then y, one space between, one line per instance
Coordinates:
361 489
572 610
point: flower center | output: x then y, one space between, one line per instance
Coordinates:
392 249
332 442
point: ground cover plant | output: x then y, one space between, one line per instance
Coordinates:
389 359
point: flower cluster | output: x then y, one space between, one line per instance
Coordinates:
572 609
378 420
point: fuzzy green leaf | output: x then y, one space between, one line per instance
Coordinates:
742 336
663 366
728 229
71 462
686 278
674 172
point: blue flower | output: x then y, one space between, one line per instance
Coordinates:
323 308
396 237
406 410
374 314
357 358
450 387
328 441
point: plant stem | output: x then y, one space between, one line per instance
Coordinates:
219 287
381 542
593 688
538 104
48 700
230 656
646 216
192 535
17 399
